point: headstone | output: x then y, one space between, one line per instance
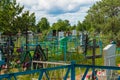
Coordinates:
30 36
61 35
109 58
81 39
74 32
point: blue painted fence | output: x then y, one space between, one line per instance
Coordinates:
70 70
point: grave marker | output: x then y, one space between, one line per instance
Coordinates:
109 51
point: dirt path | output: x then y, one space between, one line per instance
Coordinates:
100 76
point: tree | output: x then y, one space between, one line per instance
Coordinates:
80 26
104 16
73 27
43 24
26 21
12 19
61 25
9 10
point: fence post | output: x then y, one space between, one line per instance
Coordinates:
41 74
73 70
119 78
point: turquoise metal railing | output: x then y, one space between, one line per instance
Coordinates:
70 70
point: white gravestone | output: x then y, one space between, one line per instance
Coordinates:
81 39
61 35
109 58
30 36
74 32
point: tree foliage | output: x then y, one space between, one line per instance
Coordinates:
26 21
104 16
12 19
43 24
61 25
9 10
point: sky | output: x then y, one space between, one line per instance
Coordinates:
53 10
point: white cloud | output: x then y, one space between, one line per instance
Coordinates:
62 6
73 10
56 6
28 2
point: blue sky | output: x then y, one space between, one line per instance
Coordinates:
72 10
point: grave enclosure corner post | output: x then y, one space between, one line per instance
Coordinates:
72 70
